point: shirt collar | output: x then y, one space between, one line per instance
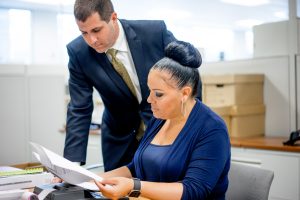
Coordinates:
120 43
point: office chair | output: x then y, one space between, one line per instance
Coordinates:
248 182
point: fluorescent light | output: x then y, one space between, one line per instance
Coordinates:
248 23
247 2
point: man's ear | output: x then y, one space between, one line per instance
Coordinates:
114 16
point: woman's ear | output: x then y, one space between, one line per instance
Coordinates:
186 93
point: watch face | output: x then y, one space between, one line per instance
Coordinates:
134 193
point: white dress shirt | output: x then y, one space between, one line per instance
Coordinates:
124 55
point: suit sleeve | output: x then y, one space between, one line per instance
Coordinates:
167 35
79 112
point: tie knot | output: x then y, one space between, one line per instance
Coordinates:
112 52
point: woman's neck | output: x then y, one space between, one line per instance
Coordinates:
183 116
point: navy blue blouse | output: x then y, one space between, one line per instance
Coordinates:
199 157
152 158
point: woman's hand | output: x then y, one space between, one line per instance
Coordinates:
56 180
116 187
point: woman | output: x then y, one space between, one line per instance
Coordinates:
185 152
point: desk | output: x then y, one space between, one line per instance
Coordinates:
131 198
266 143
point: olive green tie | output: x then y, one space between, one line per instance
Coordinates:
120 68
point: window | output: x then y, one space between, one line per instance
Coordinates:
67 31
15 36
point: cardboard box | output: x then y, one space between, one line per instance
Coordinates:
224 113
28 165
243 120
232 89
247 121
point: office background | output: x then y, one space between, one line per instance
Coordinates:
233 37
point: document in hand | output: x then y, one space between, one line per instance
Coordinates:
65 169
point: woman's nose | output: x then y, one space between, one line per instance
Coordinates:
149 99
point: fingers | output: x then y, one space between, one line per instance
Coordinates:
109 181
104 186
103 189
56 180
100 185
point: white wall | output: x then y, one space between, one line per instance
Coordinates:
32 108
4 52
45 46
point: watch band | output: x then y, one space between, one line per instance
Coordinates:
136 184
136 191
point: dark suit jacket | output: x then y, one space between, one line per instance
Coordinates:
147 41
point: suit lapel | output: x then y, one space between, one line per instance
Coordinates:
136 49
114 76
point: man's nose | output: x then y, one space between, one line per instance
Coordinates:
92 38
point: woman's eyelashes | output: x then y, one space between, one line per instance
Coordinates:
158 94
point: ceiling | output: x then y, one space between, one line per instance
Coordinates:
190 13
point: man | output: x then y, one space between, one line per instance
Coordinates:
138 45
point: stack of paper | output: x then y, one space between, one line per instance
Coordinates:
11 194
25 181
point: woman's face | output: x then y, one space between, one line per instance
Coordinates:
165 97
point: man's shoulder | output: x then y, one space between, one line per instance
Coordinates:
78 41
142 23
77 44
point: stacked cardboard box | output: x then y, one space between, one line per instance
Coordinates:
238 99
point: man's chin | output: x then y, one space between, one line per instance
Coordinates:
100 50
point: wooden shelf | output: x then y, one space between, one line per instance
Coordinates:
267 143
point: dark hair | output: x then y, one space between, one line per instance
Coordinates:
85 8
181 60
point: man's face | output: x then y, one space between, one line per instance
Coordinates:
99 34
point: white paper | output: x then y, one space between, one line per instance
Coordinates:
8 169
11 194
65 169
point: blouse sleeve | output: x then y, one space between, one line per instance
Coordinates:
131 168
209 160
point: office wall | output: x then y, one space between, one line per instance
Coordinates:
32 108
13 115
45 43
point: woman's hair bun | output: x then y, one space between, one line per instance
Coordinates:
184 53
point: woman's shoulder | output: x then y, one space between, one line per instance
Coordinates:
206 120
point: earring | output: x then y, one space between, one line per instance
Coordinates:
183 108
